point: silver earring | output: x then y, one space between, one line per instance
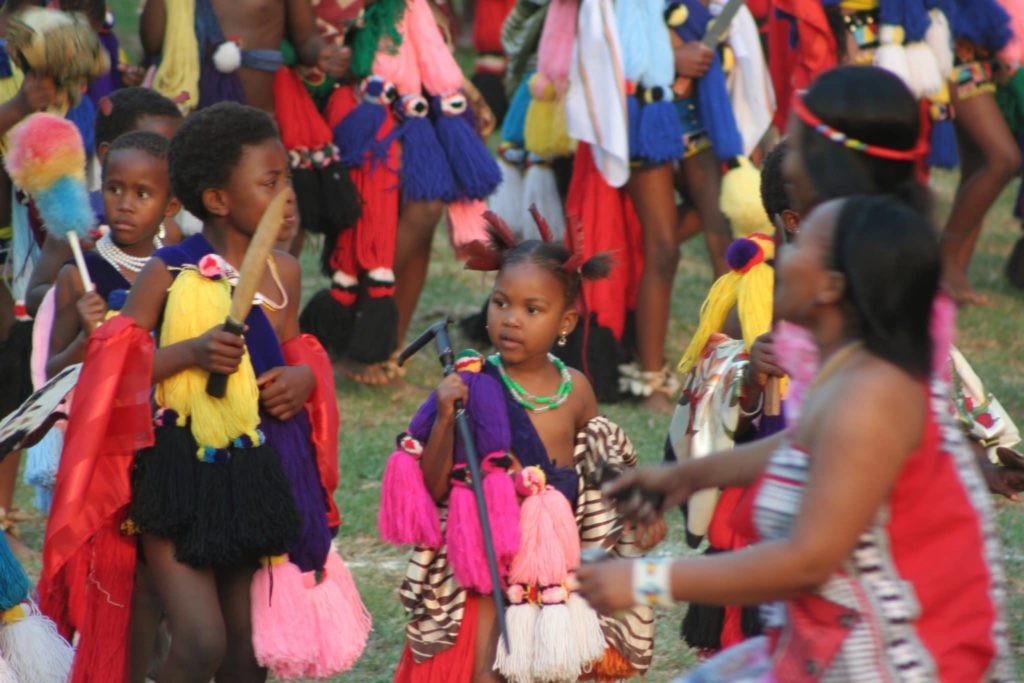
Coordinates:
562 339
163 231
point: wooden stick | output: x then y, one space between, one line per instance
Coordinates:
83 270
772 398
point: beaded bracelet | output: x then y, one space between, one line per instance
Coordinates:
651 581
756 411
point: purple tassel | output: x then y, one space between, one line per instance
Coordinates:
291 440
475 171
356 134
740 252
661 136
106 84
426 174
215 86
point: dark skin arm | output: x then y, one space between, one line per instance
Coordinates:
439 451
151 27
37 93
856 457
54 254
215 351
77 314
310 45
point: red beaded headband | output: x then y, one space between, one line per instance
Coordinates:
807 116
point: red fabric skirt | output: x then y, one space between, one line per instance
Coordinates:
454 665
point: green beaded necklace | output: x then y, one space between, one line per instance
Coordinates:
536 404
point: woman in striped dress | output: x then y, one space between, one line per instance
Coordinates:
852 558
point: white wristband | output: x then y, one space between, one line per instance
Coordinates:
652 581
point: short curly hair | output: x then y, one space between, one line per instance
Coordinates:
209 145
144 141
126 107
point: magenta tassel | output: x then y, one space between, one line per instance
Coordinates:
466 541
502 510
407 515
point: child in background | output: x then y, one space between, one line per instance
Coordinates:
126 110
535 423
137 199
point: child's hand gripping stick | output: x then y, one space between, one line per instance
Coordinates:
249 277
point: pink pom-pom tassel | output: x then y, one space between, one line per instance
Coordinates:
279 605
407 514
341 622
502 506
564 523
550 545
465 540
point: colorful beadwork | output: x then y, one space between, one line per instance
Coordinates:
536 404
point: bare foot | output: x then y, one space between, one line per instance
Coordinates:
373 374
956 285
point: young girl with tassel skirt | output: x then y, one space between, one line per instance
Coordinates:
541 453
219 483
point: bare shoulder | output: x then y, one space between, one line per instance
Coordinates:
289 269
874 402
583 398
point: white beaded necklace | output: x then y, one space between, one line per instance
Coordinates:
113 255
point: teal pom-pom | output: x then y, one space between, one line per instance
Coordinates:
64 207
13 580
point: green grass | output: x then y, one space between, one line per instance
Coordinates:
370 418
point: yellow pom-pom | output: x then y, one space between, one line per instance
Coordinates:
728 59
195 305
740 201
677 16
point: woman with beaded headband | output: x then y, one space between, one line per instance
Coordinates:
946 51
543 451
844 507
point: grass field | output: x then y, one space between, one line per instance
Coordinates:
991 337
